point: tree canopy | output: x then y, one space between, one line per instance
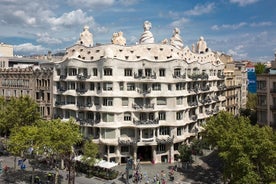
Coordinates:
260 68
17 112
248 152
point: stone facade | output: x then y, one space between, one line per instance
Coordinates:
28 79
142 100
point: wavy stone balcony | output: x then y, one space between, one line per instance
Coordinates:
62 77
143 92
81 90
193 117
146 122
126 140
163 139
83 76
175 76
141 107
150 76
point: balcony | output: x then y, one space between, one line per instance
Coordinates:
150 76
83 105
87 121
193 104
221 76
193 117
179 76
163 139
146 122
205 88
209 112
61 89
57 103
145 106
144 92
63 77
81 90
83 76
215 98
216 110
222 87
194 76
126 140
195 90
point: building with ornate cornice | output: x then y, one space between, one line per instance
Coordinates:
25 76
140 101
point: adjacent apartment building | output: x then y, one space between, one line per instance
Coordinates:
140 101
235 84
27 76
266 97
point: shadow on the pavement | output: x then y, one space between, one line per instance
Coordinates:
25 176
209 172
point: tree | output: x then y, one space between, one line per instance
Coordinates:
17 112
90 150
53 138
185 153
248 152
260 68
251 101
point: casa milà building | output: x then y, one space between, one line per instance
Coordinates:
140 101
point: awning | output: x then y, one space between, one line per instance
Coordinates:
105 164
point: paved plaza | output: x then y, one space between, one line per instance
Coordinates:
205 169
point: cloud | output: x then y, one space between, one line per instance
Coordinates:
73 18
200 9
179 22
92 4
237 52
240 25
243 2
29 48
229 26
46 38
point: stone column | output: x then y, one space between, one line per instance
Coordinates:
135 155
154 154
171 153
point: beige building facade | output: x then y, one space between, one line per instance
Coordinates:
235 84
140 101
266 97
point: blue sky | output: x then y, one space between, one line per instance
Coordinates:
245 29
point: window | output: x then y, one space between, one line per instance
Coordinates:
108 72
121 84
124 149
127 116
72 71
164 130
107 86
161 101
108 117
179 100
177 72
162 72
156 87
169 87
70 100
96 100
180 86
124 101
162 115
92 86
111 149
95 72
179 130
179 115
148 72
107 101
161 148
128 72
71 85
130 86
108 133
